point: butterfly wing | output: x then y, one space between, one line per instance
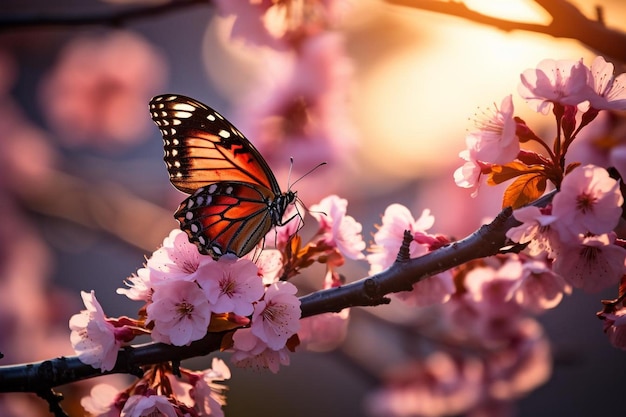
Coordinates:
202 147
227 217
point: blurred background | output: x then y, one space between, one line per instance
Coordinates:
85 196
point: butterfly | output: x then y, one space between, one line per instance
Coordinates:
234 197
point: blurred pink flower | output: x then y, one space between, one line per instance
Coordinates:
338 229
304 105
615 327
520 365
589 201
277 317
323 332
180 312
97 93
231 285
495 140
609 92
101 401
278 24
562 81
270 263
93 337
440 385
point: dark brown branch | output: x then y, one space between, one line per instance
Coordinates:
115 18
567 22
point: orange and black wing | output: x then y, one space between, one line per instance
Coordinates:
226 217
202 147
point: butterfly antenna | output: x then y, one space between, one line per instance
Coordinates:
307 173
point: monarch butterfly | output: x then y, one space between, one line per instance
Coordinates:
234 197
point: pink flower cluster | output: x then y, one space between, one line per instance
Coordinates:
192 394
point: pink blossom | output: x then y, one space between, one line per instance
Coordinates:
276 24
323 332
252 352
93 337
270 263
276 317
521 364
101 401
231 285
99 89
440 385
540 288
562 81
615 327
535 230
180 312
280 236
594 263
338 229
495 140
177 259
589 201
304 103
388 239
469 174
138 286
610 92
153 405
208 393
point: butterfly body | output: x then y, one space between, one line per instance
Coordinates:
234 197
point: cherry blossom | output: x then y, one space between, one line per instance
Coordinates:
270 263
323 332
338 229
615 327
540 288
439 385
93 337
469 174
589 201
101 401
97 93
208 393
231 285
388 239
591 263
304 103
535 230
138 286
610 91
554 81
177 259
495 140
146 406
276 317
252 352
180 312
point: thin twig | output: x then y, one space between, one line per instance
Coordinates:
114 18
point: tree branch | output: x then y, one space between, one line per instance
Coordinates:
370 291
115 18
567 22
